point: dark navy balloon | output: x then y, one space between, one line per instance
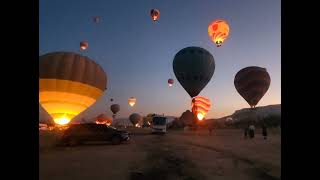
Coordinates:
193 67
252 83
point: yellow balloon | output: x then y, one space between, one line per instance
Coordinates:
68 84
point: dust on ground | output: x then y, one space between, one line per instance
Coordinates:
176 155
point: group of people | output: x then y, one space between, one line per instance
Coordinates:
250 131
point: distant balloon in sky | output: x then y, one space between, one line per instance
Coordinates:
135 118
170 82
84 45
111 99
155 14
200 106
103 119
68 84
218 31
115 108
132 101
252 83
97 19
193 67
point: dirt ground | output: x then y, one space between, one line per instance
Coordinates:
178 155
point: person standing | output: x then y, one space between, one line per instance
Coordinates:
246 129
251 131
210 128
264 131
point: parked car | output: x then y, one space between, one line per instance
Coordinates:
79 133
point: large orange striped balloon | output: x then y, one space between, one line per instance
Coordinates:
68 84
218 31
200 106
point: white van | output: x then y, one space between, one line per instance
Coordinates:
159 124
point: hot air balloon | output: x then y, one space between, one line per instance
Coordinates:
103 119
200 107
170 82
68 84
132 101
84 45
97 19
193 67
155 14
111 99
218 31
252 83
135 118
115 108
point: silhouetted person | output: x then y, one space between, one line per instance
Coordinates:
264 131
246 129
251 131
210 128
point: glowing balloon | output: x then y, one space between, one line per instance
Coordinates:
193 67
252 83
135 118
132 101
170 82
155 14
84 45
103 119
218 31
68 84
200 107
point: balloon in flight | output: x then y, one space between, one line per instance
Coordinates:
115 108
155 14
252 83
170 82
218 31
194 68
132 101
84 45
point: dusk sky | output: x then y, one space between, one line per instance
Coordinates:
137 53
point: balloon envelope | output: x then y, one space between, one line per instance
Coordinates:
97 19
170 82
252 83
200 106
103 119
84 45
193 67
155 14
115 108
68 84
135 118
132 101
218 31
